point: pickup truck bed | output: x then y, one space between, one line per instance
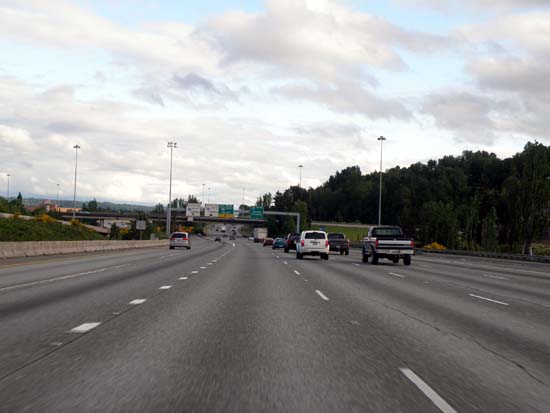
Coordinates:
387 242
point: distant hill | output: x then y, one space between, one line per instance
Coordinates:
112 206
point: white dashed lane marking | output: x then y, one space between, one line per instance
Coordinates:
84 328
194 272
284 262
137 301
396 275
495 276
202 268
320 294
428 391
165 287
182 278
488 299
296 272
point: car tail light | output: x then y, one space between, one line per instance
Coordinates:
412 243
302 243
326 243
172 239
376 243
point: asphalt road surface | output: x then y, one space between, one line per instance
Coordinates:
238 327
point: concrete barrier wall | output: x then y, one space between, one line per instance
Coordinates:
37 248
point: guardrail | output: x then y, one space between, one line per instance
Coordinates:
37 248
484 254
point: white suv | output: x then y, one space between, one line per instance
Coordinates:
180 239
312 243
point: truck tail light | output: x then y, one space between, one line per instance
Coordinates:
376 243
302 243
412 243
326 243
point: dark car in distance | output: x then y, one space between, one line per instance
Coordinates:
291 240
338 242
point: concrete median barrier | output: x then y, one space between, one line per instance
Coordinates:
38 248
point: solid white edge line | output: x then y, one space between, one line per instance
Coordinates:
64 277
428 391
296 272
488 299
165 287
84 328
137 301
320 294
397 275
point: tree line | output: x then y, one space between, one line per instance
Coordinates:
472 201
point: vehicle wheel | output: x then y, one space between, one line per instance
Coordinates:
365 257
324 257
286 250
395 260
298 257
347 252
172 248
374 258
341 252
407 260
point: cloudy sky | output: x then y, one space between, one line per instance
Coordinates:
250 89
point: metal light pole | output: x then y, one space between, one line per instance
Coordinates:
57 198
203 200
242 203
300 183
170 145
209 195
76 148
8 191
381 139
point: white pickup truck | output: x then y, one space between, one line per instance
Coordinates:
387 242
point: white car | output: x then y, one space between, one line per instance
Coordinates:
312 243
180 239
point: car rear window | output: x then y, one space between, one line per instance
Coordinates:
336 236
315 235
386 232
179 235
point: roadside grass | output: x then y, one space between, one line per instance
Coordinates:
41 230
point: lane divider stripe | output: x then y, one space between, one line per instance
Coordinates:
428 391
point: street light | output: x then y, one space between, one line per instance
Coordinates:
170 145
300 183
381 139
76 148
8 191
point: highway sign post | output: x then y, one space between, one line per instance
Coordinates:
256 212
140 226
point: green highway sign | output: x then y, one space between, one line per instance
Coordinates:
225 211
257 212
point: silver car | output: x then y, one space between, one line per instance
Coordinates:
180 239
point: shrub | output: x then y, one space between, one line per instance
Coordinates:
435 246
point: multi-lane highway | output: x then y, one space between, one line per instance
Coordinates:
238 327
